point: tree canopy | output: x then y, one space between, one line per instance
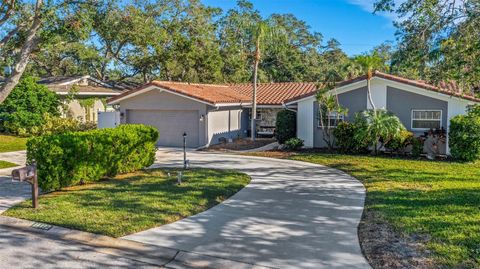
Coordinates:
185 40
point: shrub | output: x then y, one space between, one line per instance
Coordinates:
286 125
69 159
294 143
417 146
345 138
376 127
57 125
464 137
400 142
23 111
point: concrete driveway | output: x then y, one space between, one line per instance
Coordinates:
291 215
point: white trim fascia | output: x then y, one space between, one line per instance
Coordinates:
349 87
146 89
300 100
265 106
73 81
424 92
89 93
160 89
230 104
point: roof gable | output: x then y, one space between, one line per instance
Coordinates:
267 93
450 89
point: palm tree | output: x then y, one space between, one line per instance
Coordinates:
370 63
377 126
263 34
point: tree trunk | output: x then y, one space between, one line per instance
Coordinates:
253 123
24 55
369 90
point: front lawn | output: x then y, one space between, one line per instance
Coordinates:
4 164
435 201
12 143
133 202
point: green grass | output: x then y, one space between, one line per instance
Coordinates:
4 164
12 143
438 199
133 202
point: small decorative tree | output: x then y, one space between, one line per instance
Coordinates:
377 127
329 108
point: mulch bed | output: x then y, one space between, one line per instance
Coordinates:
241 144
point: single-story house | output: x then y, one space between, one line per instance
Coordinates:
208 112
205 112
84 96
419 105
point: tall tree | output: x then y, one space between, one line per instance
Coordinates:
25 26
438 40
263 34
370 63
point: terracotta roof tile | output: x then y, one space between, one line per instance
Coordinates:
276 93
211 93
268 93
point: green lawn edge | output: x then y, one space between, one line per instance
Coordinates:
5 164
9 143
133 202
439 199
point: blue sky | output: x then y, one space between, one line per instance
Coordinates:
349 21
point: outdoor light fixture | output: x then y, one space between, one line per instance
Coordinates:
184 150
116 106
202 117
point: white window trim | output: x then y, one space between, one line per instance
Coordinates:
425 129
331 116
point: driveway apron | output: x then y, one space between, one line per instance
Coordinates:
291 215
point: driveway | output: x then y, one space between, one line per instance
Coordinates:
291 215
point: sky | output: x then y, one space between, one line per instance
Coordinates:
351 22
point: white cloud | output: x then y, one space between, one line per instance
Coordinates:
367 5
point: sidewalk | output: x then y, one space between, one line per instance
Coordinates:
146 254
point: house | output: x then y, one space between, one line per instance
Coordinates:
419 105
205 112
84 96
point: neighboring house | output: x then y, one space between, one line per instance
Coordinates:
205 112
419 105
84 96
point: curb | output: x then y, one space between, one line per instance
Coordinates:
146 253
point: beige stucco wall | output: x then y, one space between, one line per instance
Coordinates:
224 122
161 100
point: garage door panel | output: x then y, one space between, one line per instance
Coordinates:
171 125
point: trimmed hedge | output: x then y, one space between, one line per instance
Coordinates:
72 158
286 126
464 137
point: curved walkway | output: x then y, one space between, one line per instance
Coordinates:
292 215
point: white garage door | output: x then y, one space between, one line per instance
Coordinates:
171 125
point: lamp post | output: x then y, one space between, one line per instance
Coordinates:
184 150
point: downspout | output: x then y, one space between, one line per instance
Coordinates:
286 107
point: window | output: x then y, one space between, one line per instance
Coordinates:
426 119
333 119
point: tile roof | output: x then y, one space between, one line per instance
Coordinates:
448 88
211 93
84 89
276 93
268 93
